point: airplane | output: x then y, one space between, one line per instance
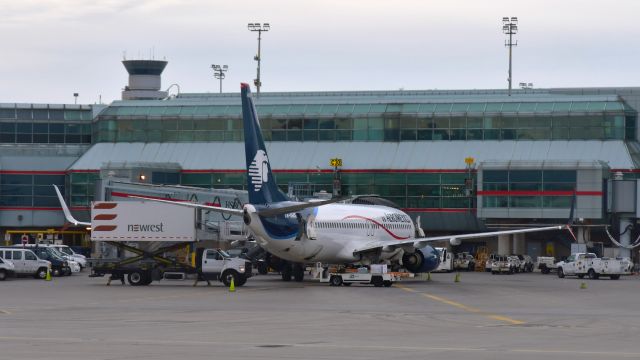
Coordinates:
325 231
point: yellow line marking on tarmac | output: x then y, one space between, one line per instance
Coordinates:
464 307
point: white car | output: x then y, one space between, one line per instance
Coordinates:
79 258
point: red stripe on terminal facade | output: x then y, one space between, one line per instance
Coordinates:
537 193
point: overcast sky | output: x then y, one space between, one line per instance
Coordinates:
53 48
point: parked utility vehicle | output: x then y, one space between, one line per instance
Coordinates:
546 264
588 264
464 261
376 275
501 265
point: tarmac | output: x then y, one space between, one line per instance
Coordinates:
484 316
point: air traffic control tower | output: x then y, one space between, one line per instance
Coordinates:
144 80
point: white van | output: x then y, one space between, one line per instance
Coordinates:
7 269
75 263
25 262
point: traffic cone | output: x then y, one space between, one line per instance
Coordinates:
457 278
583 285
48 277
232 286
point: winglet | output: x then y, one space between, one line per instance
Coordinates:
67 212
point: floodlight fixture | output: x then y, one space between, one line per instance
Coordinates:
219 73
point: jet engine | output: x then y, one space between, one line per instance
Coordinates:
421 260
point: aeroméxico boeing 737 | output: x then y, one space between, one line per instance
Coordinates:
324 231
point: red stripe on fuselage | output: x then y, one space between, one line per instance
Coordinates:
377 223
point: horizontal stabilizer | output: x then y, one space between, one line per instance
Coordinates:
269 212
237 212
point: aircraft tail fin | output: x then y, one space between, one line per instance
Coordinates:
261 184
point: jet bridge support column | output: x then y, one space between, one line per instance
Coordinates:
504 244
625 236
518 246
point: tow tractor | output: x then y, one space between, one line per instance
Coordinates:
375 275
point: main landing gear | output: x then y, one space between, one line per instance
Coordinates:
292 270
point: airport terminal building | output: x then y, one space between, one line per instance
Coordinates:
463 160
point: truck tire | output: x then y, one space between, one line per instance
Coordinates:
41 274
3 275
544 269
148 279
560 273
387 283
241 280
136 278
229 275
614 277
592 274
335 280
56 272
377 281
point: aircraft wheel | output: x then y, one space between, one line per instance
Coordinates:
298 272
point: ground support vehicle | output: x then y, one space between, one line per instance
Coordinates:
489 262
376 275
501 265
464 261
526 263
149 266
588 264
446 261
7 269
160 236
515 263
546 264
26 262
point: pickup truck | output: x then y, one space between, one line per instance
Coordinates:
588 264
546 264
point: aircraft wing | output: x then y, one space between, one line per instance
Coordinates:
67 212
454 239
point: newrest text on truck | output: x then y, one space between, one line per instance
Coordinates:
160 236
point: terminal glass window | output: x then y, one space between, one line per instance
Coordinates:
528 188
28 190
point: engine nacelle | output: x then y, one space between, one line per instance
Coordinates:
455 241
421 260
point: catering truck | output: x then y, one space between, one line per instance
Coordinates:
158 241
581 264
